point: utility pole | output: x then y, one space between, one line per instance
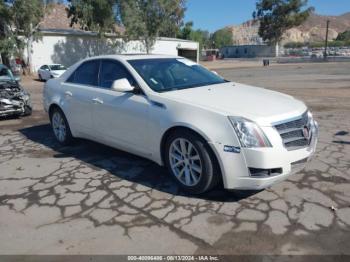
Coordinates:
326 42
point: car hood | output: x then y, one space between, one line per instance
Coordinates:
233 99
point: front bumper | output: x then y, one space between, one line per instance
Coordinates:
235 167
11 107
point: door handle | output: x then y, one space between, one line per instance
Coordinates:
68 93
97 101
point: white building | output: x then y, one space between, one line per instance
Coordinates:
63 44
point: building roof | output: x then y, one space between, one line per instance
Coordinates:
57 18
56 21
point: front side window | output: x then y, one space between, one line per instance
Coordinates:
167 74
111 71
86 74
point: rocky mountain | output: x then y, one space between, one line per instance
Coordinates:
312 30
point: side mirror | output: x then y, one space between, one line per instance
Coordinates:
122 85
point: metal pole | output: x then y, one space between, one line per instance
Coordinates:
326 42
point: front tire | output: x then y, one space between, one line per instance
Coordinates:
60 127
191 162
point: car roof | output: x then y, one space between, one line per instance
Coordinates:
134 56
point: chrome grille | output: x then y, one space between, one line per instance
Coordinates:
292 132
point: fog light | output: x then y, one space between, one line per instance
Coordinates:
259 172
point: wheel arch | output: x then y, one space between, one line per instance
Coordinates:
52 107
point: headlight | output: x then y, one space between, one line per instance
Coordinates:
312 122
309 115
26 97
249 134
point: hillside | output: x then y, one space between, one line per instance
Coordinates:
312 30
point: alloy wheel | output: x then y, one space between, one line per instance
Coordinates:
59 126
185 162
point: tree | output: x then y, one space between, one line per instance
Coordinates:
48 2
9 41
5 20
175 11
145 20
200 36
27 16
277 16
94 15
344 36
185 31
222 37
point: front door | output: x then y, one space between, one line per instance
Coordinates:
122 118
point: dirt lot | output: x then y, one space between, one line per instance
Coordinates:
91 199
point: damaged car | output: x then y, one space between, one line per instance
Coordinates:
14 100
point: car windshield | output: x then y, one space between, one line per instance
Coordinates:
5 74
168 74
57 67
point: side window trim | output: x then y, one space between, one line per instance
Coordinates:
99 61
99 73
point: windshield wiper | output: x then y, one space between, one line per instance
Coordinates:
190 86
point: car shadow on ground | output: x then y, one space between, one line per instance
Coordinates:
342 142
112 160
10 117
38 80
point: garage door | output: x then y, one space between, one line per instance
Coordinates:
188 53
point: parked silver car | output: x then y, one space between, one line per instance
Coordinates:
14 100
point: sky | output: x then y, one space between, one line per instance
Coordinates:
215 14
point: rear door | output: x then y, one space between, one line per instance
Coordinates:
78 94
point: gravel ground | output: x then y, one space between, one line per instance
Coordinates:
92 199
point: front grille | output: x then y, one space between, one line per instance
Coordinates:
292 132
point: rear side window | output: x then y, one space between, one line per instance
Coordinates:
111 71
86 74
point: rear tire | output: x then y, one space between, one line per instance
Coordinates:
60 127
191 162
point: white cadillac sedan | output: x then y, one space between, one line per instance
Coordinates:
176 113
